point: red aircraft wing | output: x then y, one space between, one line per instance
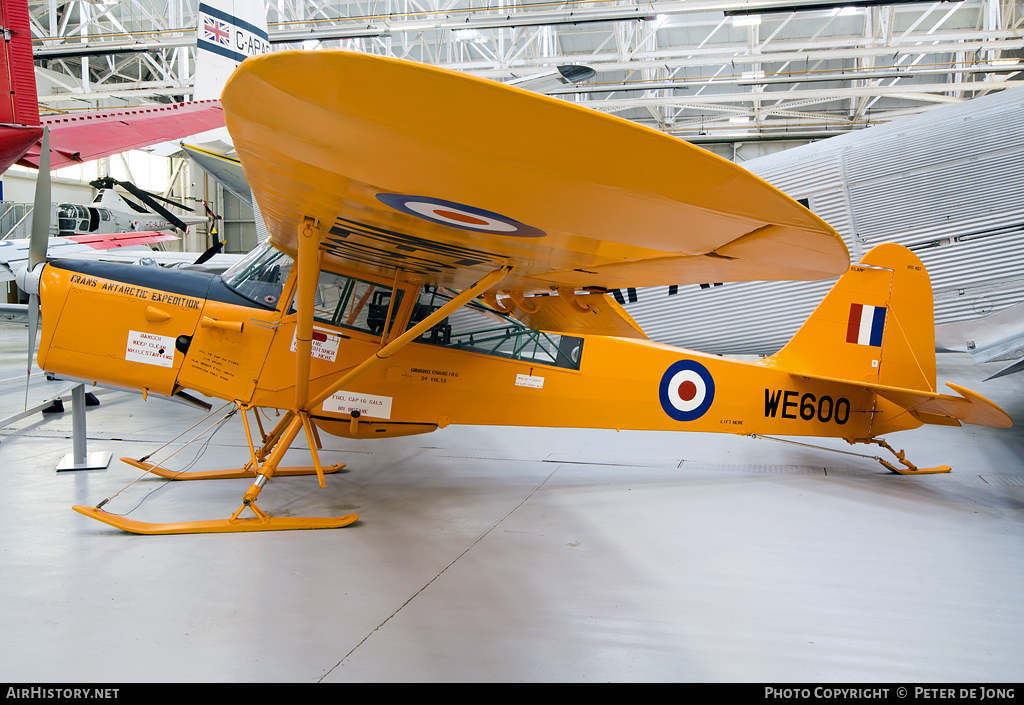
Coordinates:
110 241
96 134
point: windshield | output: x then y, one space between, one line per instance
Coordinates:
260 275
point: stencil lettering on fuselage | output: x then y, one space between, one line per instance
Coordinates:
377 407
787 404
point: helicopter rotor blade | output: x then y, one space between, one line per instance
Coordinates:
109 182
172 202
218 244
210 252
149 199
157 208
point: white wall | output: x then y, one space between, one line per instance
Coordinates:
19 186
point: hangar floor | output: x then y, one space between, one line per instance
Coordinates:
511 554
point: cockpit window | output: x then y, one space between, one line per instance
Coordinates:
346 302
71 217
478 328
260 275
66 218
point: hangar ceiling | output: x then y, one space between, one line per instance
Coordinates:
703 70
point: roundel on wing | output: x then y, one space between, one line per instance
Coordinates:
687 390
457 215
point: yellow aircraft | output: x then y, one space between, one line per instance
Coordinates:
440 250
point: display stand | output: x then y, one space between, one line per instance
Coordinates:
79 458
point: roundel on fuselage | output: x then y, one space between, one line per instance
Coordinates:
687 390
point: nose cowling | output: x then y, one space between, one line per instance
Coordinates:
118 324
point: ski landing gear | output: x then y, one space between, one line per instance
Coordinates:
909 468
273 448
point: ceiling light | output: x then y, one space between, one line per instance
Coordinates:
739 120
746 20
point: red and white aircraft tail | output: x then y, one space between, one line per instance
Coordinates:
19 111
84 136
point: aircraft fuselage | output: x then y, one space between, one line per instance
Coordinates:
162 331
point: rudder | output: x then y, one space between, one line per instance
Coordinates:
19 105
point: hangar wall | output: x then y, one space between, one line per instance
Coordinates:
949 184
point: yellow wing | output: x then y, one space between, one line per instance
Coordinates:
447 176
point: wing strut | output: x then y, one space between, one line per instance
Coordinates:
308 261
410 335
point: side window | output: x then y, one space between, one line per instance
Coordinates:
344 302
477 328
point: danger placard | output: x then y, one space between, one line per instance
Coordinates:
150 349
529 381
365 404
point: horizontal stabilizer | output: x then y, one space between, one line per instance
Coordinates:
875 330
932 407
969 407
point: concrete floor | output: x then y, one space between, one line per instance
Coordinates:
512 554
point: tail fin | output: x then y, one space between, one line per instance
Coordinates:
876 329
229 32
876 325
18 104
19 108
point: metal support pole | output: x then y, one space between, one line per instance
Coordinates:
78 423
79 458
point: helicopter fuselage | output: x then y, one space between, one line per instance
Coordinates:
109 213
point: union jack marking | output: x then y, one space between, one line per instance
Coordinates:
216 31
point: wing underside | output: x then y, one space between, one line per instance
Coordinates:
446 177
